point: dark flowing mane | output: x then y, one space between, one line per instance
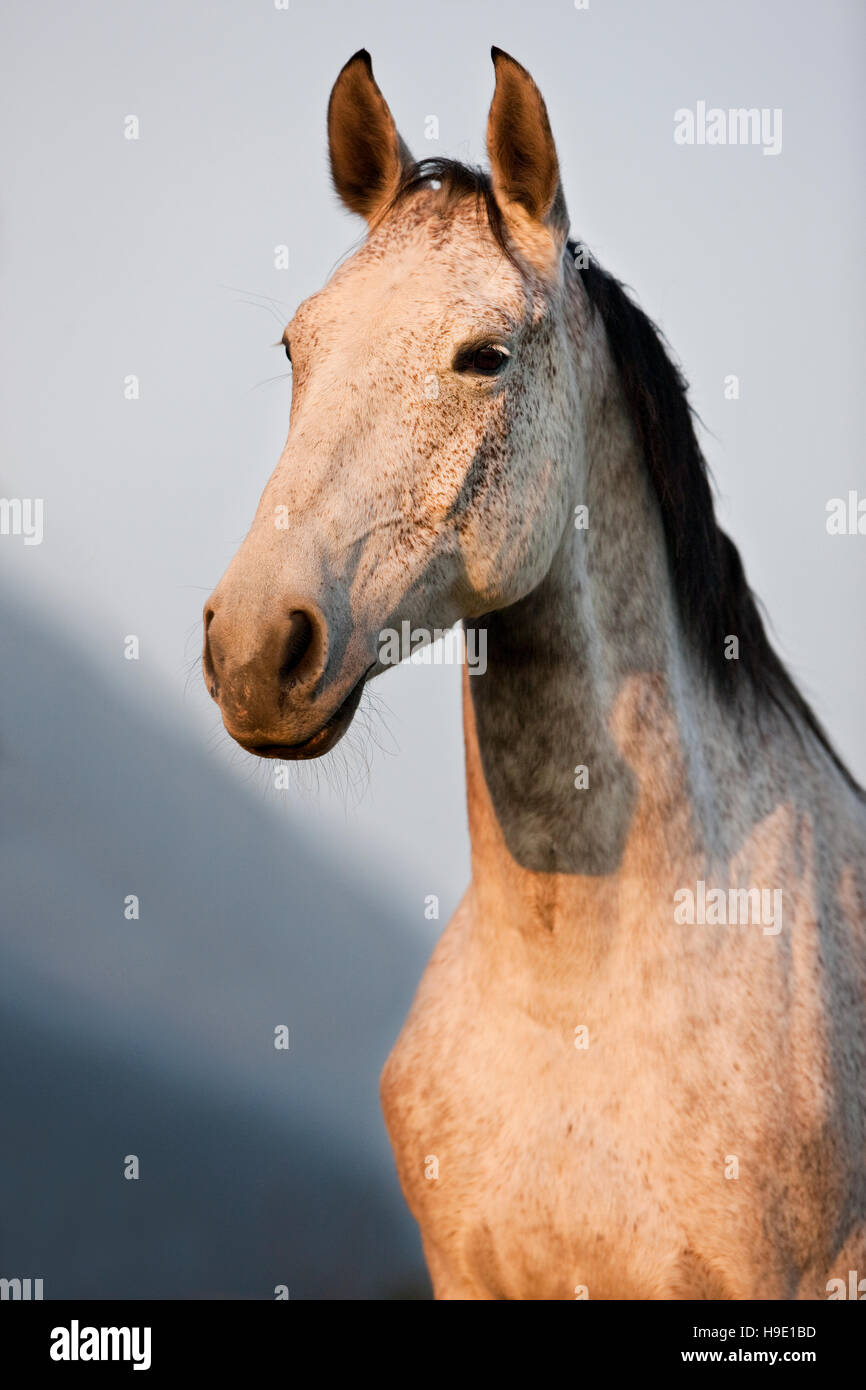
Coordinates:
713 597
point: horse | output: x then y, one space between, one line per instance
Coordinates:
634 1065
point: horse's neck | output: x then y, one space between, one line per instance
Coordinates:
597 754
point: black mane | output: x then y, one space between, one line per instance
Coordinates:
713 597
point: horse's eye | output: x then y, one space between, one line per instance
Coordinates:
485 360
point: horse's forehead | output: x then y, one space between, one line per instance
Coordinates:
418 278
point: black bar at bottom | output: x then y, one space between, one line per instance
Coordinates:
160 1338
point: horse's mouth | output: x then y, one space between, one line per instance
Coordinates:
319 743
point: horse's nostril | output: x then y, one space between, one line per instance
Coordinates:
296 646
208 662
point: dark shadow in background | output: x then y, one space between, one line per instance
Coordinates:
155 1037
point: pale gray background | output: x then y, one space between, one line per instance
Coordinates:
156 258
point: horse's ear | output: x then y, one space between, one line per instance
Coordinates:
368 157
524 165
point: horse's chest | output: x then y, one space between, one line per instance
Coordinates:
536 1167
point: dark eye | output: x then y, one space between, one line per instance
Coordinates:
288 352
483 360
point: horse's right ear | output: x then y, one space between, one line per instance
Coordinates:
368 157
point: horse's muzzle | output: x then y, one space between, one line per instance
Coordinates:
268 677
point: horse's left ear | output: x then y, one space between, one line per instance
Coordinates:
524 165
368 157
